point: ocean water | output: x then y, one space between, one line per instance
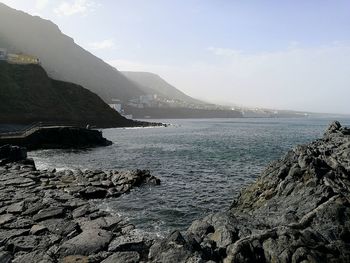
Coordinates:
202 164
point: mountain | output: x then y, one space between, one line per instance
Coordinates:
151 83
61 57
28 95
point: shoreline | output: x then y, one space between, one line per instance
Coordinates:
46 214
298 209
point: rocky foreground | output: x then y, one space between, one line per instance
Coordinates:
297 211
46 216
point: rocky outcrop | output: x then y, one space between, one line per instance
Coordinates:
46 216
297 211
9 154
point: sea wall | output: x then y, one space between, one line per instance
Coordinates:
58 137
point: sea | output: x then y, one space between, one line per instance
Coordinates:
202 164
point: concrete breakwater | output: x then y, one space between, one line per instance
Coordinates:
55 137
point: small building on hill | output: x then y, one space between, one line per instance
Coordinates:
22 59
3 54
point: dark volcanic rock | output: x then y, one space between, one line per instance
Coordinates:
49 213
46 216
123 257
10 154
297 211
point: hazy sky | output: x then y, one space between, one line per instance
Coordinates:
279 54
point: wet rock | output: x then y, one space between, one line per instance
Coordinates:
93 192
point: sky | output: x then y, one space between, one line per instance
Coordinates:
275 53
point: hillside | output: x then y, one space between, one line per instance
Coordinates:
28 95
151 83
61 57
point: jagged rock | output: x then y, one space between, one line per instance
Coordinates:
16 208
35 256
123 257
6 235
19 223
6 218
130 242
49 213
5 257
61 227
171 250
37 229
23 243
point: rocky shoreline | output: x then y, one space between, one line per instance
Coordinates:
297 211
46 216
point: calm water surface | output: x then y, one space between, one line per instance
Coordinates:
202 164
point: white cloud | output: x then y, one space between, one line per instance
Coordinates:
41 4
74 7
104 44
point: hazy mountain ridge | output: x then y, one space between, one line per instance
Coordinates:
61 57
152 83
28 95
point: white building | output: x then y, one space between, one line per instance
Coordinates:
3 54
116 106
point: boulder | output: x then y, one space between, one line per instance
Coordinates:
88 242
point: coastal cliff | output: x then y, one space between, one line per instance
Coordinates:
29 95
298 210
